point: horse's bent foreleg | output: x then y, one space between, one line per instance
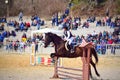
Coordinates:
52 55
94 66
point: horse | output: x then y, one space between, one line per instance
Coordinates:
61 51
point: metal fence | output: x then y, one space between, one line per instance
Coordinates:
101 49
108 49
26 49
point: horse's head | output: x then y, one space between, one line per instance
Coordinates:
51 37
48 39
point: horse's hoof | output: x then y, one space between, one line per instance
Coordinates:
52 55
53 61
98 75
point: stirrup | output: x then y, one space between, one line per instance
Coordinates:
72 51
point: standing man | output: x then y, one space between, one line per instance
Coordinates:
38 24
68 37
21 16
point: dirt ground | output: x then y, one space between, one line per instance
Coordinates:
17 67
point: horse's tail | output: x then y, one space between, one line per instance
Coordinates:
95 55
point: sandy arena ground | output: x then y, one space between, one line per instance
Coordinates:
17 67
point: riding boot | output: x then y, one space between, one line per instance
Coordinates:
71 49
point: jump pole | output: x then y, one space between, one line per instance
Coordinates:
33 55
86 63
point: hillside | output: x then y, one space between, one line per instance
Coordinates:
46 8
82 7
29 7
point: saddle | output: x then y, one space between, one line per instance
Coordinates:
86 44
69 47
83 44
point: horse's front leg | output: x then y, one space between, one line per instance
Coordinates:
55 67
52 55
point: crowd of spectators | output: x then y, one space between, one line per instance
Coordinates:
101 40
6 34
20 25
75 22
109 21
36 21
15 46
58 19
20 46
71 24
23 25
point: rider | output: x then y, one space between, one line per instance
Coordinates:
68 37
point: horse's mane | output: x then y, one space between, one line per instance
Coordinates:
58 38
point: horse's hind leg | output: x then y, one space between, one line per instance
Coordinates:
94 66
90 72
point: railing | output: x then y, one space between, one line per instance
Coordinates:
26 49
108 49
101 49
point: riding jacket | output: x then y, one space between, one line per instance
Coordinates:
67 35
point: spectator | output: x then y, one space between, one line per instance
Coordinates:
17 28
53 20
21 16
94 34
103 46
22 46
24 37
3 20
10 45
7 44
67 11
38 25
2 27
56 19
36 46
99 23
85 25
13 33
110 41
22 26
1 38
112 24
113 48
34 22
27 25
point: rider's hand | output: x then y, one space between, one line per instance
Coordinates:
64 39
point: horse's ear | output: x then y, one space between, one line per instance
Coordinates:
45 33
49 33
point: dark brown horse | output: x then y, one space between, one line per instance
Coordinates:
60 50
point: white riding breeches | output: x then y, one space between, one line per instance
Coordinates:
70 40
